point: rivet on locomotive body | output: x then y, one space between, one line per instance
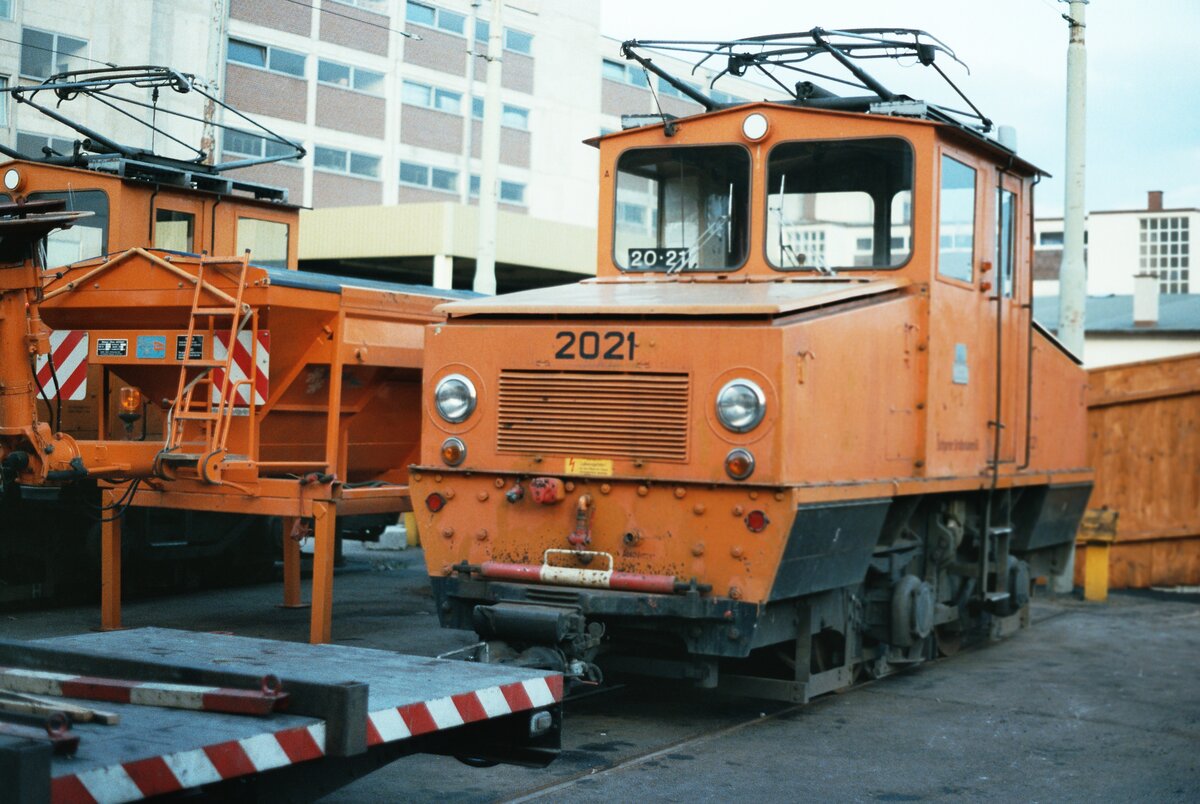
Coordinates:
605 488
698 509
569 486
483 496
754 495
448 494
680 492
416 476
698 549
643 491
447 533
498 482
779 496
735 551
482 535
437 478
738 511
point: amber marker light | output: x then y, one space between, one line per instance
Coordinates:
739 464
131 407
454 451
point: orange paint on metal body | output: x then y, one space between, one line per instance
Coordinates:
863 374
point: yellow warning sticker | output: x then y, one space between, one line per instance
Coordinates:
596 467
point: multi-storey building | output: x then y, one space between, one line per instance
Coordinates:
1122 244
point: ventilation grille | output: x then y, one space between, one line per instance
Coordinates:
594 414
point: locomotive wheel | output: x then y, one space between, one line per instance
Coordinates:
949 640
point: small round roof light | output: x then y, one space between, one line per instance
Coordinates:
754 127
12 179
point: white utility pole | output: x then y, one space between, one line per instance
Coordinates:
214 64
464 194
1072 277
485 257
1072 282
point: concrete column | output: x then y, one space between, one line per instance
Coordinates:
485 259
443 271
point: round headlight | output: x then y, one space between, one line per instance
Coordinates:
454 398
12 179
741 405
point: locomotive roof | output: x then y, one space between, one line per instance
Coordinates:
668 297
1001 154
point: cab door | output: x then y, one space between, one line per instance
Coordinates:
1013 310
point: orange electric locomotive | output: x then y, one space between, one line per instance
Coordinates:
800 425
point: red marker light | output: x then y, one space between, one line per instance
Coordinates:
757 521
435 502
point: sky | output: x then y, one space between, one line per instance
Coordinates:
1143 106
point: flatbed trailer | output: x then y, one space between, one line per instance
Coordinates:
349 711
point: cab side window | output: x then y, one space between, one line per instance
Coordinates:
174 230
956 221
1005 245
267 242
88 238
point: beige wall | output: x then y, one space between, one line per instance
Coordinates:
426 128
617 99
334 190
347 110
347 28
515 145
278 14
415 195
261 92
517 73
437 51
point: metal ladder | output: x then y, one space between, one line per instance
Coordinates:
212 410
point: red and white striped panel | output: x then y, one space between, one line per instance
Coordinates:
169 773
240 369
69 351
143 693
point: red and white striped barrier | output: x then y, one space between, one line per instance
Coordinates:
144 693
171 773
239 370
69 356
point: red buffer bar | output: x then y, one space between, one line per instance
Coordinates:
571 576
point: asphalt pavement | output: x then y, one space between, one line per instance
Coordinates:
1095 702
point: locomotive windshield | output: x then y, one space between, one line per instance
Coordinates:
839 205
682 209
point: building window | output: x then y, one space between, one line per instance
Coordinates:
1050 239
44 54
511 192
348 77
510 116
32 144
518 42
243 143
1163 250
378 6
624 73
266 57
430 178
5 9
352 163
433 17
443 100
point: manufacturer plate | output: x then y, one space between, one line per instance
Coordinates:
112 347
